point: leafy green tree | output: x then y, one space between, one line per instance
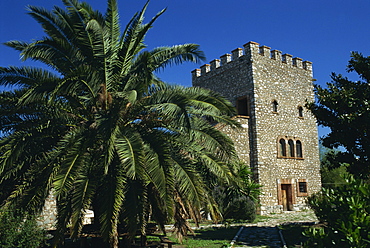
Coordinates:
332 175
103 131
344 106
17 231
345 211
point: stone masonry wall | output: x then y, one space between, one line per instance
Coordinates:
240 138
265 76
47 219
48 216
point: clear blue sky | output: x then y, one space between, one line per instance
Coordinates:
321 31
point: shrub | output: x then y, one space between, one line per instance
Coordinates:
239 203
17 231
345 212
242 208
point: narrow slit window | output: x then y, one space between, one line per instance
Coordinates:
291 148
282 148
275 106
299 149
300 112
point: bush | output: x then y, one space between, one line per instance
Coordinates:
345 212
242 208
239 203
17 231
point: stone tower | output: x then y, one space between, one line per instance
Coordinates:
278 138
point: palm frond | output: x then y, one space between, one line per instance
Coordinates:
188 182
129 150
74 151
17 45
110 198
112 24
55 27
81 198
175 55
25 76
133 36
57 54
64 212
204 96
212 139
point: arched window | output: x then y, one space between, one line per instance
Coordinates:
300 111
299 149
291 148
275 106
282 148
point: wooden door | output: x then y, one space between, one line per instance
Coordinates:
286 197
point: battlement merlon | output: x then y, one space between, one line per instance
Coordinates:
252 49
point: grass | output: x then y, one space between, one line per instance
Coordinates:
261 218
210 238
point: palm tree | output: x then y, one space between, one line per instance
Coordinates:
102 131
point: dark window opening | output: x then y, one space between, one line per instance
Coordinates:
300 111
242 106
302 187
299 149
282 148
275 106
291 148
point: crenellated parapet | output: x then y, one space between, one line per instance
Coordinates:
249 51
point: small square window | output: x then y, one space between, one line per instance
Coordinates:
302 187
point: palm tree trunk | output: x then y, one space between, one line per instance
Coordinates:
143 240
114 240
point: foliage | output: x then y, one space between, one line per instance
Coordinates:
346 212
344 106
293 234
332 175
104 132
239 203
242 208
16 232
